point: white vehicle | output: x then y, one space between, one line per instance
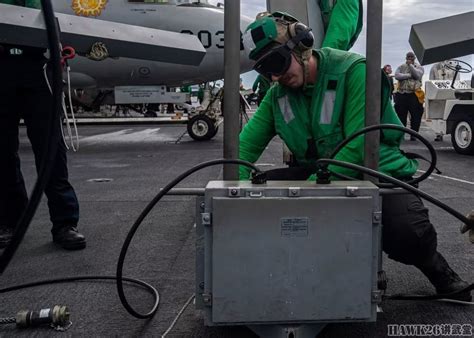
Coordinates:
450 109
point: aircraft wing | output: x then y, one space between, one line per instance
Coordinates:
25 27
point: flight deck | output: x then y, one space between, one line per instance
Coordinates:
119 169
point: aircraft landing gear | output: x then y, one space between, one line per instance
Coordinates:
202 128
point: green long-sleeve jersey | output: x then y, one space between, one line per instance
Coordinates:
343 22
301 121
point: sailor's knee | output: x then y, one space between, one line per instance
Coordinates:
412 240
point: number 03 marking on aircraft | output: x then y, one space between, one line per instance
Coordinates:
206 38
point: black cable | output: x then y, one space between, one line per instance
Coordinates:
119 276
49 152
401 184
365 130
147 286
142 216
429 297
9 320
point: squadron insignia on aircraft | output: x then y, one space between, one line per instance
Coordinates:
98 52
88 7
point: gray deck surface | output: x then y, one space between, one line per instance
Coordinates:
142 159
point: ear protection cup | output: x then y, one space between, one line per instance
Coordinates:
307 39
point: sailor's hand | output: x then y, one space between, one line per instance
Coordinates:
465 228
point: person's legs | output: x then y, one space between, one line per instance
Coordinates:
13 196
416 112
410 238
401 107
62 201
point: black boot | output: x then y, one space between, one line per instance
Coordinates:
443 278
69 238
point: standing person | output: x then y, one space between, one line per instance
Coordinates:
409 75
24 93
260 87
387 70
314 113
200 93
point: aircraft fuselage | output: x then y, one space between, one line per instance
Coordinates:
206 22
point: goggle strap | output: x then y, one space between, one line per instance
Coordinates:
293 42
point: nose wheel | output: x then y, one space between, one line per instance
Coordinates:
462 137
201 128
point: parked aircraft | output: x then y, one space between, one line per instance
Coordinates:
200 18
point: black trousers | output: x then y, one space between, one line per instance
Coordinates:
407 233
408 103
24 93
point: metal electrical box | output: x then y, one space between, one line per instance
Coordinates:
288 252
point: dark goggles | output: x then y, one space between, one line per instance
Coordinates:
275 62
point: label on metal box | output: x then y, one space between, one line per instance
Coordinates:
294 227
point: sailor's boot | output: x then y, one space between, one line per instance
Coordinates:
443 278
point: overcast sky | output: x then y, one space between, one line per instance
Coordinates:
398 17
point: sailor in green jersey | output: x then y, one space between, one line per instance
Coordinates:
342 21
318 100
24 93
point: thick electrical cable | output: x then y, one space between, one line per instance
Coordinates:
139 282
49 151
8 320
142 216
440 297
413 133
454 301
401 184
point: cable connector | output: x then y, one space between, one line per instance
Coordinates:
259 177
323 175
58 316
